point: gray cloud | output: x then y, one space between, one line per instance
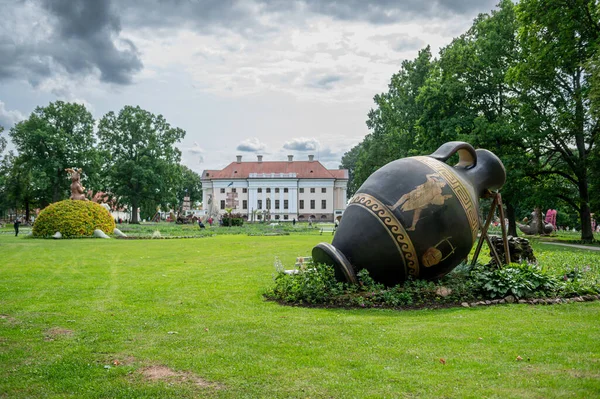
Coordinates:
9 118
400 42
328 155
43 39
302 144
245 15
73 38
195 149
390 11
325 82
251 145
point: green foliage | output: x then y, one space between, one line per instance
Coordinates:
316 285
521 280
519 82
141 160
232 219
2 141
188 184
73 219
53 138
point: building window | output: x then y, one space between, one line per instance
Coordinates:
285 190
244 204
276 217
301 204
276 204
285 204
323 204
269 203
259 204
312 204
312 190
258 217
222 204
323 190
285 217
222 191
276 191
259 190
301 190
234 190
244 190
268 190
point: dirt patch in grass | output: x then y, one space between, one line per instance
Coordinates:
165 374
56 332
8 319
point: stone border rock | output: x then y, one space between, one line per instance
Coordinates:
538 301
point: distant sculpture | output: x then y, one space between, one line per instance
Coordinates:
77 190
530 228
551 217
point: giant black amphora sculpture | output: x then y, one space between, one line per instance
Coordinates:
415 217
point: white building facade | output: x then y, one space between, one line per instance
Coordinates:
279 190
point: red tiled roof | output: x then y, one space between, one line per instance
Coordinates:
339 173
302 169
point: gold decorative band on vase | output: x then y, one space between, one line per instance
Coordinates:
394 228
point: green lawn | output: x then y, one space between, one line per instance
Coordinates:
71 308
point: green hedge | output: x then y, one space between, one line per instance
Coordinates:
236 220
73 219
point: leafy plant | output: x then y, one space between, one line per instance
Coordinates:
521 280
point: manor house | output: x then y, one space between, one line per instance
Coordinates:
276 190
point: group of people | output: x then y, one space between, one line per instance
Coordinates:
210 222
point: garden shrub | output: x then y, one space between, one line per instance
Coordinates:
521 280
73 219
235 219
316 285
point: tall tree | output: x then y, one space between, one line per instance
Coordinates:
189 184
17 184
392 122
2 142
475 102
53 138
349 160
141 160
559 40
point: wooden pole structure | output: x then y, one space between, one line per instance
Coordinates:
504 233
496 202
483 229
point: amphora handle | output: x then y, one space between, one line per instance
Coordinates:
467 157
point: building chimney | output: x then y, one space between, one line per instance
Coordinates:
290 158
311 158
239 159
259 158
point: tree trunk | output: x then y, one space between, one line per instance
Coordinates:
512 219
27 210
134 212
540 221
584 210
55 196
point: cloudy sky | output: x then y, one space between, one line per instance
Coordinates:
271 77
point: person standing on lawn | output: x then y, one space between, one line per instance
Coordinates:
17 223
